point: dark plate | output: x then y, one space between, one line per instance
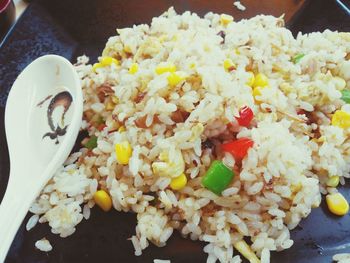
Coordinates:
71 28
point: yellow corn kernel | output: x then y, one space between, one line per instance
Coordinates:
340 83
251 79
226 19
237 52
103 200
115 99
110 106
229 65
121 129
107 61
123 152
337 204
179 182
341 119
333 181
260 80
175 78
134 68
96 66
257 92
246 251
165 67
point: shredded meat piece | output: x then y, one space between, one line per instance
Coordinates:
210 209
111 131
301 112
90 153
268 185
103 91
179 116
88 114
249 67
266 216
317 133
140 97
141 122
311 117
268 110
208 144
347 57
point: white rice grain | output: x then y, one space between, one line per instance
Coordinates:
239 6
86 212
33 220
43 245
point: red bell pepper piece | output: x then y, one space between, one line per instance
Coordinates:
245 116
238 148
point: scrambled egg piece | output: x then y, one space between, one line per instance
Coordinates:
171 168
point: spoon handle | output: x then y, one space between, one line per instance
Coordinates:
13 209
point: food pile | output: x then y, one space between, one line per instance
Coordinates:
228 132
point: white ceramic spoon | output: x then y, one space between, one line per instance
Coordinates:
38 140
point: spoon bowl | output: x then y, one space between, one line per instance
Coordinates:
42 119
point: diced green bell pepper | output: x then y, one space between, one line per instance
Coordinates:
345 95
218 177
91 143
297 58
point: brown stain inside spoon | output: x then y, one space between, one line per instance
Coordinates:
61 99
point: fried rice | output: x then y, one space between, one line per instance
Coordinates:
177 126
